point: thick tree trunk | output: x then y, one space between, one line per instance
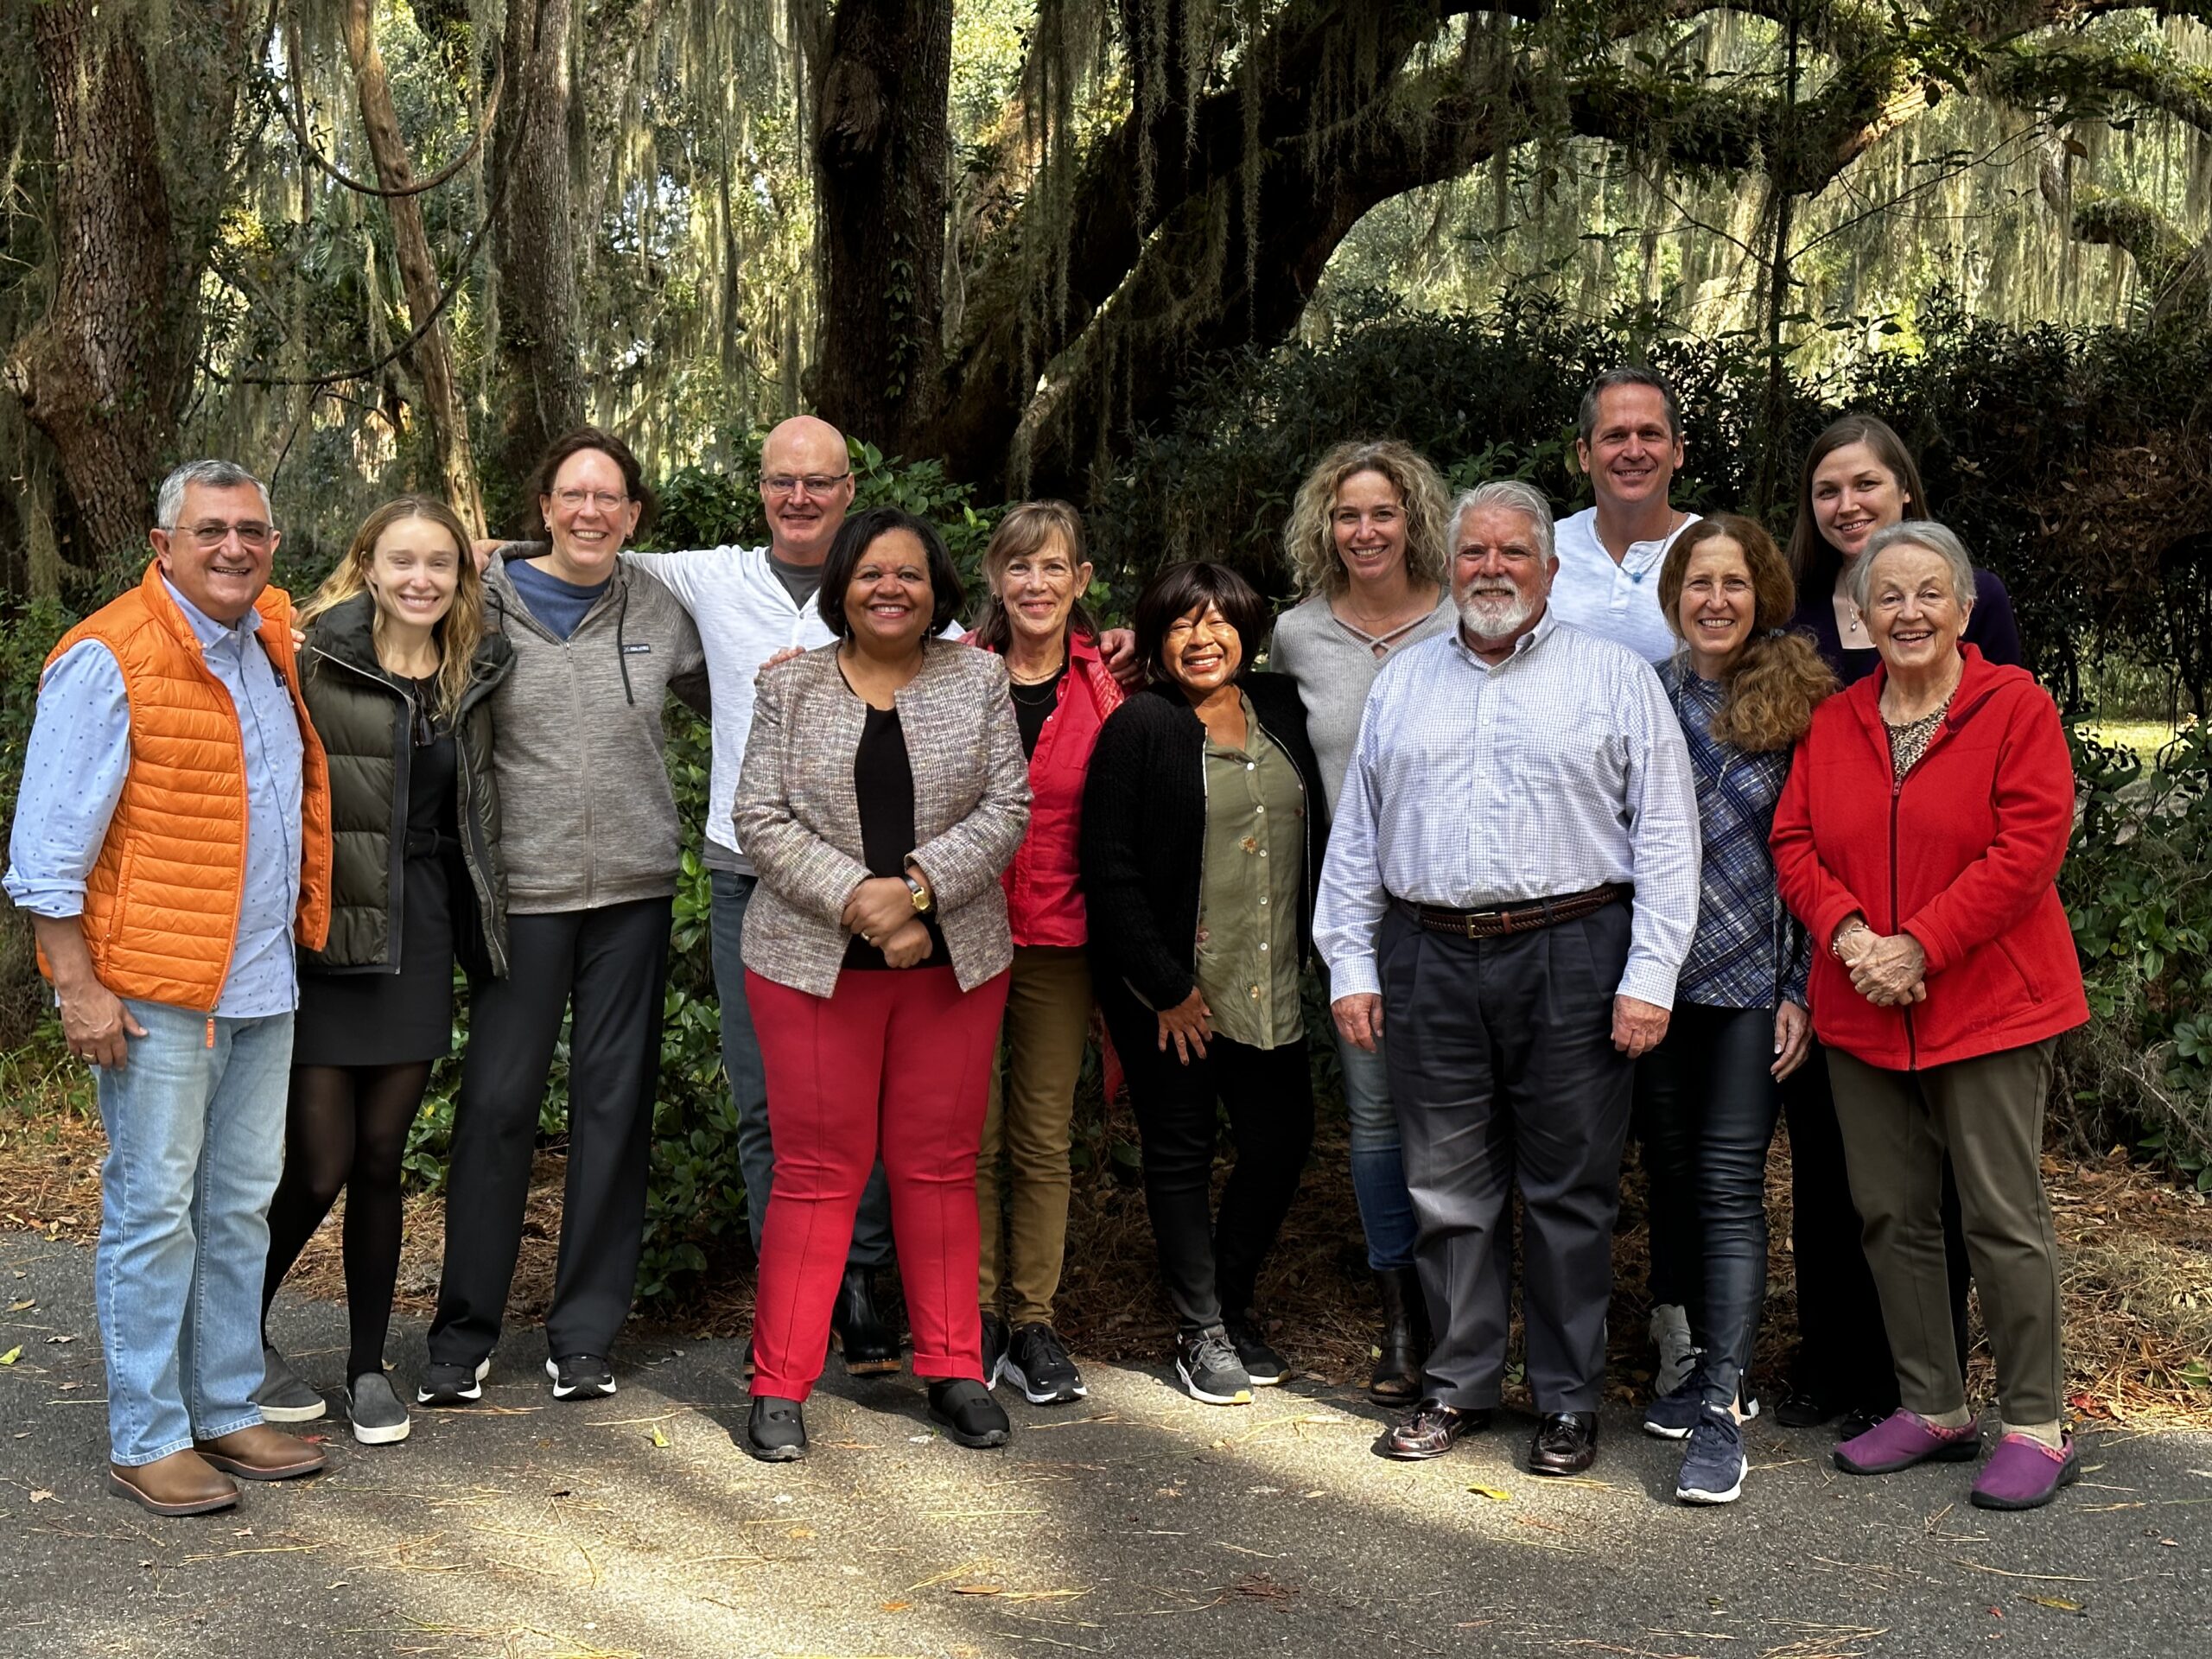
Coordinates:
533 240
431 358
104 373
880 153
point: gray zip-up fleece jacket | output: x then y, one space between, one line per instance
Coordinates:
589 817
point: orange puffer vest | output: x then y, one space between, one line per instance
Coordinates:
161 904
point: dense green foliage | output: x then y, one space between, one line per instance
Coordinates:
2137 884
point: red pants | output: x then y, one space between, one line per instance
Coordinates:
896 1060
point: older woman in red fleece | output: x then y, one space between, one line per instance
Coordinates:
1919 838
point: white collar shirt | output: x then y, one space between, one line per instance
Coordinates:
1473 785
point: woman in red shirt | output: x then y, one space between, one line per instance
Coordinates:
1919 839
1062 694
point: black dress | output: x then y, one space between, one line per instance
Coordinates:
375 1016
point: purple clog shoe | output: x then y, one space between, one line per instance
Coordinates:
2023 1473
1902 1439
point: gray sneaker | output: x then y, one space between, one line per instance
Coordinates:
378 1417
284 1395
1211 1370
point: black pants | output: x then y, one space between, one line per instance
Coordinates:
1705 1106
1211 1266
1503 1072
1843 1351
611 965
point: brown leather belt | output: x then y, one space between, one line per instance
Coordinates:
1518 919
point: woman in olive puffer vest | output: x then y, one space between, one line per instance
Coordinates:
398 674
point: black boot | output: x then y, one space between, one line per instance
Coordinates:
1403 1348
864 1337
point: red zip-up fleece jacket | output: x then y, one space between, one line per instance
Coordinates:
1963 855
1044 885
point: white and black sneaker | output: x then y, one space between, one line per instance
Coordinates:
1210 1369
1037 1363
1262 1363
284 1396
453 1385
996 1339
580 1376
378 1417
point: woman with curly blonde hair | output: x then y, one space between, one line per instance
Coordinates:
1368 538
1744 692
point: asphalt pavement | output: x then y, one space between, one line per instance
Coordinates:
1136 1522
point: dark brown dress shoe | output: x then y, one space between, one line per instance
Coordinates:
260 1453
183 1483
1430 1430
1565 1443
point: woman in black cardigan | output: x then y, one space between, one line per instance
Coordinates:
1201 843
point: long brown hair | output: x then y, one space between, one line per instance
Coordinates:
458 632
1022 534
1777 679
1812 561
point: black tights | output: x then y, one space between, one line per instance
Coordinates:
345 1129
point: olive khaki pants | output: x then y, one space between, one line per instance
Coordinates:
1024 1213
1987 1113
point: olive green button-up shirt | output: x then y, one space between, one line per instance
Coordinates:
1248 899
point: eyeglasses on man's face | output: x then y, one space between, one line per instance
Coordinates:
211 533
812 483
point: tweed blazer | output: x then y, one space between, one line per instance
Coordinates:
797 817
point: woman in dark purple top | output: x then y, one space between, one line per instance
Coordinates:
1858 477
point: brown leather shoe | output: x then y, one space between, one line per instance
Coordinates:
260 1453
183 1483
1565 1443
1430 1430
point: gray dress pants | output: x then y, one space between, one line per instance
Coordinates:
1503 1072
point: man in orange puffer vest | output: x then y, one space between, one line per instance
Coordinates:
171 840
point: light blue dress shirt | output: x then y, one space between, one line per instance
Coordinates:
1473 786
73 771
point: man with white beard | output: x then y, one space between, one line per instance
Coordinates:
1511 887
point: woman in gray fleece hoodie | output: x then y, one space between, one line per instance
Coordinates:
591 843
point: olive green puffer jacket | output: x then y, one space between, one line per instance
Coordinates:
364 715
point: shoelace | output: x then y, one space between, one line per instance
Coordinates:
1214 1353
1045 1351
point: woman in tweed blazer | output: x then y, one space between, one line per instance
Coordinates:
883 792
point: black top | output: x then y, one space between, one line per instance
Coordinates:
883 788
1033 706
431 780
1144 821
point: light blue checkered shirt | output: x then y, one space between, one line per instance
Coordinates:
1560 769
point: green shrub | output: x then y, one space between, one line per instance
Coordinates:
2137 886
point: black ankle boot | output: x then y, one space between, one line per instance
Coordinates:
864 1336
1403 1347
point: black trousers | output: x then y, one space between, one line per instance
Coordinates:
1210 1265
1705 1106
1503 1073
608 968
1843 1351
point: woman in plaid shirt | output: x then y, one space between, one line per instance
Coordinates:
1744 691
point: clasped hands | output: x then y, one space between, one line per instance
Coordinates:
1890 970
1638 1027
881 912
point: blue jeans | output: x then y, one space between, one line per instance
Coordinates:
1378 1170
195 1132
749 1082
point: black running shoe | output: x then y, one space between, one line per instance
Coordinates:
580 1376
1037 1363
1211 1370
995 1338
453 1385
963 1409
1262 1363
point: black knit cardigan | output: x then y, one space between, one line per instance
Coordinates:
1144 815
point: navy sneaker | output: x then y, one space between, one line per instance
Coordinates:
1673 1414
1714 1464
